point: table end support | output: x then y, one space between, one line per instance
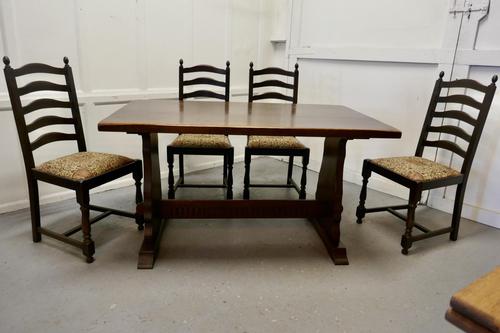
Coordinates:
335 249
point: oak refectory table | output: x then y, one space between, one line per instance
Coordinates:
337 124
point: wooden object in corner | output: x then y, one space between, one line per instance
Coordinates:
479 304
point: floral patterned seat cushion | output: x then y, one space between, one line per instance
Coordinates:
83 165
416 168
201 141
274 142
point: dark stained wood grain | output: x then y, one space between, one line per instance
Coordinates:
336 123
28 145
442 143
199 117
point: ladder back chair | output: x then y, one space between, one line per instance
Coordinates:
201 144
275 145
80 171
419 174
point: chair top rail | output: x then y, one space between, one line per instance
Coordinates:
204 68
465 83
273 70
35 68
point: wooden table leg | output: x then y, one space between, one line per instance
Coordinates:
329 189
152 197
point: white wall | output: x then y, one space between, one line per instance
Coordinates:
122 50
382 58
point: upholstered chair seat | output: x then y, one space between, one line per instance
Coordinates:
274 142
83 165
416 168
201 141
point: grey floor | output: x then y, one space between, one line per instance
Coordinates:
237 275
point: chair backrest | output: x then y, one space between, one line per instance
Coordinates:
273 83
42 119
204 81
476 122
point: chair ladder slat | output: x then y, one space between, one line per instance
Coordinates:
52 137
41 86
204 93
459 115
204 80
38 68
273 83
273 70
48 121
204 68
460 99
445 144
45 103
453 130
465 83
274 95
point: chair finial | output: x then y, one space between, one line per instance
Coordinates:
251 64
6 61
228 63
296 65
181 61
66 60
441 74
494 79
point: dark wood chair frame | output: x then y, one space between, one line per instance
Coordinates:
291 153
227 153
416 188
33 176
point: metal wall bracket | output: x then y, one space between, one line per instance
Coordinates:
470 6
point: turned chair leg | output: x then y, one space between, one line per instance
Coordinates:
361 210
406 240
246 179
35 210
88 246
229 160
170 162
224 170
303 178
181 168
457 211
137 175
290 171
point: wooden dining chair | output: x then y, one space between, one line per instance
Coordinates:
275 145
201 144
80 171
420 174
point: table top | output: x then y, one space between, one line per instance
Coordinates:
241 118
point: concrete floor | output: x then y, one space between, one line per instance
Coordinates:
237 275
